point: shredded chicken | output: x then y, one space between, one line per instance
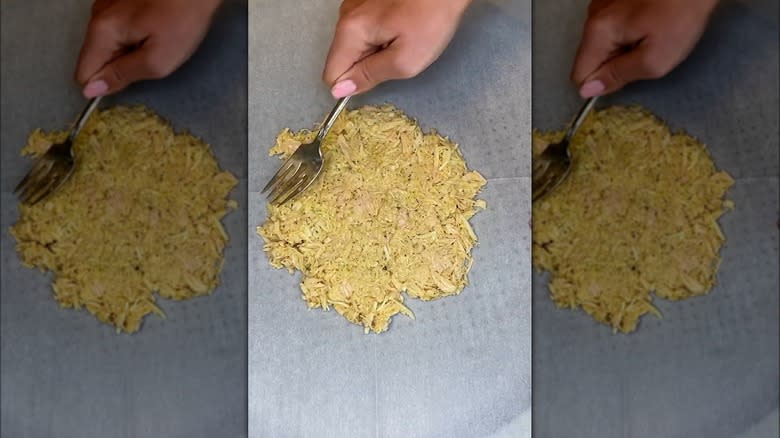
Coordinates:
141 213
389 214
637 215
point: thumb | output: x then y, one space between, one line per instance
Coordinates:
131 67
371 71
617 72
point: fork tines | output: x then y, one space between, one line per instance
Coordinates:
41 180
286 183
545 177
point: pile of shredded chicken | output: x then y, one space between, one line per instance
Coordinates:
636 216
140 213
389 214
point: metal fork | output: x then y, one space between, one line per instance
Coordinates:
303 167
551 167
55 166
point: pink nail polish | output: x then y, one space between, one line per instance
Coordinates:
343 88
592 88
95 88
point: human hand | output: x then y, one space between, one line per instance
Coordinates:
133 40
380 40
629 40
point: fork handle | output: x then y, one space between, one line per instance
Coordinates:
331 119
584 111
83 117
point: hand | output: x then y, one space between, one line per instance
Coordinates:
380 40
629 40
133 40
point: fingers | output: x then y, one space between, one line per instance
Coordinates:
102 43
110 56
129 41
376 41
137 65
600 41
355 63
348 47
385 65
629 41
614 51
637 64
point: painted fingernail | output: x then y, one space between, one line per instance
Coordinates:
343 88
95 88
592 88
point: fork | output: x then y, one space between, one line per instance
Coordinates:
303 167
55 166
551 167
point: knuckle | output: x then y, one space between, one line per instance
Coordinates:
365 73
407 72
103 25
614 77
351 24
158 62
652 67
114 74
99 26
150 66
599 24
157 68
406 68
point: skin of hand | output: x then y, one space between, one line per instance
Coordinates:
629 40
133 40
381 40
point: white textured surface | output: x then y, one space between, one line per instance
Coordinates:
462 369
65 374
710 367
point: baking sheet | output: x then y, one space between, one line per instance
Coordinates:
462 368
710 368
64 374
